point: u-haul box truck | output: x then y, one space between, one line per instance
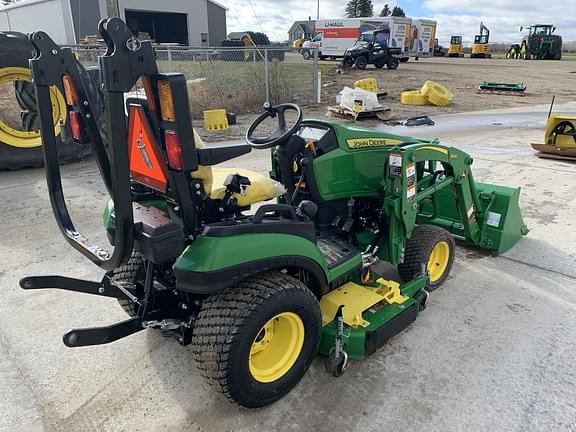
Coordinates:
335 36
422 39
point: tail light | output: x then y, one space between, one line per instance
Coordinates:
173 150
75 125
69 91
166 101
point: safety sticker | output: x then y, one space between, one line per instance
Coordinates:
411 191
471 216
493 219
410 170
395 165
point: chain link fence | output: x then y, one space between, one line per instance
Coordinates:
238 79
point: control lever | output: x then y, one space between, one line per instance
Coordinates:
303 164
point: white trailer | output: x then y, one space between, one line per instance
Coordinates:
400 34
335 36
422 38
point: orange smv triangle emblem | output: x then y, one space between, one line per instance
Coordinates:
146 164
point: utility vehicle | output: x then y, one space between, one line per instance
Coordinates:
258 295
372 48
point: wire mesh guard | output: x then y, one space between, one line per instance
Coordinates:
238 80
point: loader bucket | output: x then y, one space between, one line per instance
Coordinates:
502 225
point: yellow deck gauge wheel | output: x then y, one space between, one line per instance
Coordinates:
437 94
368 84
24 139
438 261
276 347
413 97
215 120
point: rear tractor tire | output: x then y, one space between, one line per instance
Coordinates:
432 248
131 273
254 341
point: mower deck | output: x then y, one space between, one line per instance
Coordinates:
371 314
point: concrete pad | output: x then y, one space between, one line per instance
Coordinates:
494 350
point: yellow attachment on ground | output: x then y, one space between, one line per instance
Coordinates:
437 94
262 188
20 138
356 299
276 347
413 97
215 120
368 84
562 141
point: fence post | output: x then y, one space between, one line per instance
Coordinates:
266 75
170 60
315 79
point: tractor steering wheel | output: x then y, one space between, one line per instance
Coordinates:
281 134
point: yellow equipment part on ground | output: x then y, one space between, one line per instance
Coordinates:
559 140
358 298
413 97
437 94
368 84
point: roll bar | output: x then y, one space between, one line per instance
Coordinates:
124 62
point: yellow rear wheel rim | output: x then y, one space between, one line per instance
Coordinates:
23 139
276 347
438 261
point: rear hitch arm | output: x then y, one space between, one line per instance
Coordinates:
104 288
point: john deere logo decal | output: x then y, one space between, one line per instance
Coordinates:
355 143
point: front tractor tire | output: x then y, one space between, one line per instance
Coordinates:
432 248
254 341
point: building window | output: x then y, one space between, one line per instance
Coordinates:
204 38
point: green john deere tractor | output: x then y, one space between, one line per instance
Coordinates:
539 44
258 295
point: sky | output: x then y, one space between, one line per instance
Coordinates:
458 17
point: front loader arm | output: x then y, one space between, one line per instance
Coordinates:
428 183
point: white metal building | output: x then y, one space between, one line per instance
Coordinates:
186 22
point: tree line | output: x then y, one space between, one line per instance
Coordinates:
365 8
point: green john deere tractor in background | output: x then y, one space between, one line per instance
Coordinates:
539 44
258 295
